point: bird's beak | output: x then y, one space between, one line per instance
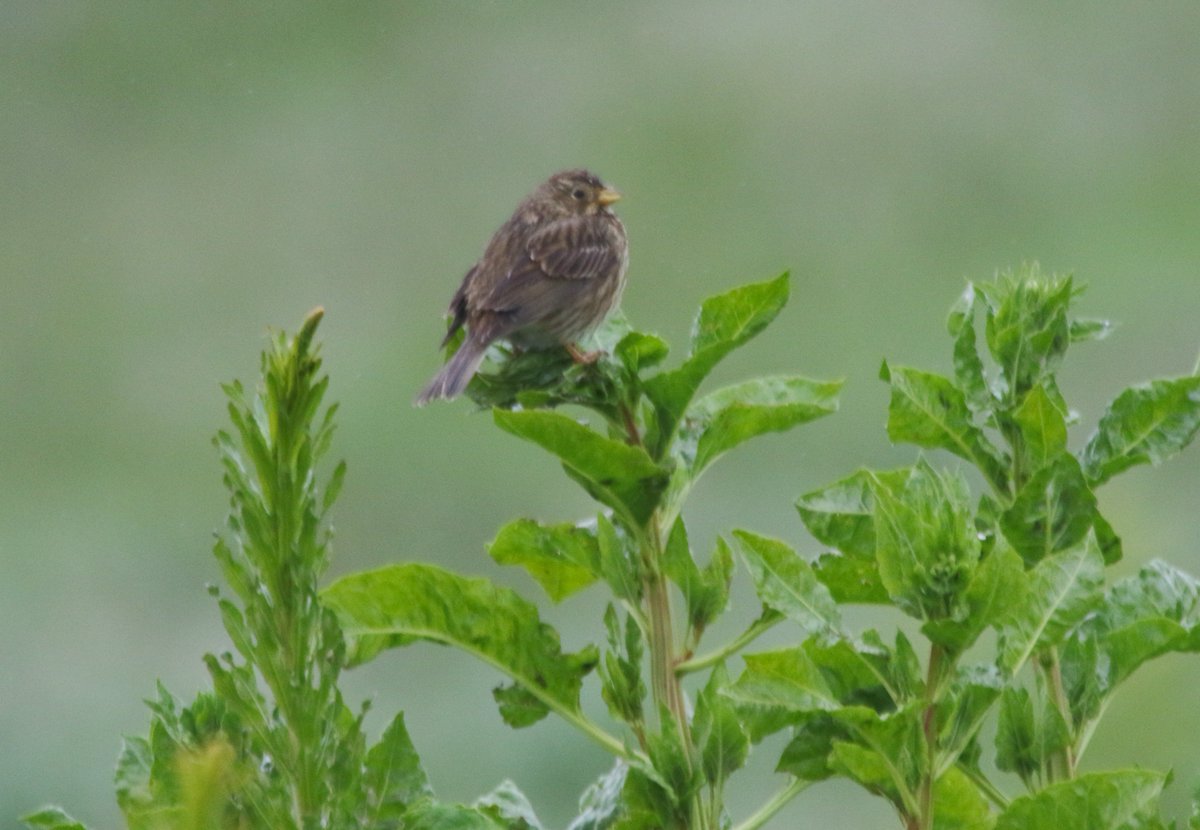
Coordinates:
607 196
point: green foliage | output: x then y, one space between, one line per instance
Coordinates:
653 437
1000 560
274 745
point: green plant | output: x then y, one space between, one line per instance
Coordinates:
999 565
273 745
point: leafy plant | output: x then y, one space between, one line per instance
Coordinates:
652 440
1026 559
999 562
273 745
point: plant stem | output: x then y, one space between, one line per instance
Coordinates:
758 627
778 801
1052 668
929 726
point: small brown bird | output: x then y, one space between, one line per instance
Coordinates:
550 275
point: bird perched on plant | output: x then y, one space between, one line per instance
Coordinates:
549 275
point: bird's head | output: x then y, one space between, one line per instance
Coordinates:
578 193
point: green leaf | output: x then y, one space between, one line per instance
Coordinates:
396 605
1051 512
638 350
1026 739
726 322
961 712
842 515
621 476
510 807
720 421
807 755
52 818
851 580
1043 427
930 411
926 544
562 558
887 755
1063 588
518 706
1145 424
1154 612
860 672
776 688
431 815
393 771
723 742
621 669
958 804
1097 801
786 583
618 561
600 805
705 592
968 368
1084 329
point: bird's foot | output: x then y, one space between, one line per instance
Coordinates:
581 357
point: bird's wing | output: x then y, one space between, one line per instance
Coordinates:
578 248
554 263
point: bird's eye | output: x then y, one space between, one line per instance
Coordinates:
579 193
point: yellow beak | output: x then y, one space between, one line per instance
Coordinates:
607 196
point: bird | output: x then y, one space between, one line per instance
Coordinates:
549 276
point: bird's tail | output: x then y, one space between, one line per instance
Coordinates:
456 374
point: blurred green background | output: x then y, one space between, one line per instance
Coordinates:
177 177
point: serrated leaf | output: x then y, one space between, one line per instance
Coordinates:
786 583
396 605
617 474
720 421
1052 512
1063 588
52 818
1096 801
725 322
928 410
392 771
562 558
1145 424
